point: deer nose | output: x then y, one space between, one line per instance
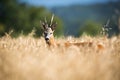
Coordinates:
46 39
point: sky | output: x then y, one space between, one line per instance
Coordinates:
50 3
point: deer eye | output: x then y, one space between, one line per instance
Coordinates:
50 33
45 33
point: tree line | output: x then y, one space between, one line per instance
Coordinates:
23 18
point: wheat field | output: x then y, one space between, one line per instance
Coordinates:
28 58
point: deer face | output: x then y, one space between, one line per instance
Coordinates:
48 33
48 29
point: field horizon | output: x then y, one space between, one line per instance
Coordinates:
28 58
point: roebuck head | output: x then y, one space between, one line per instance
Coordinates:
49 28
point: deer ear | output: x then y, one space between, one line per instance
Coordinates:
44 26
53 26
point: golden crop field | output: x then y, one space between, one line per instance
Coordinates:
28 58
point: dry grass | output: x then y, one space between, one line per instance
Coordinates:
27 58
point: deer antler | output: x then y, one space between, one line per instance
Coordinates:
45 20
44 23
51 19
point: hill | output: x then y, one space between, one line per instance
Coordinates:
75 16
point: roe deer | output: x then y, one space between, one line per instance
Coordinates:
49 29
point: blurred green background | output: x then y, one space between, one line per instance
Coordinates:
73 19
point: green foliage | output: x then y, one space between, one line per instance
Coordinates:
22 18
75 16
91 28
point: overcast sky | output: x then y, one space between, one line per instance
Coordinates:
61 2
